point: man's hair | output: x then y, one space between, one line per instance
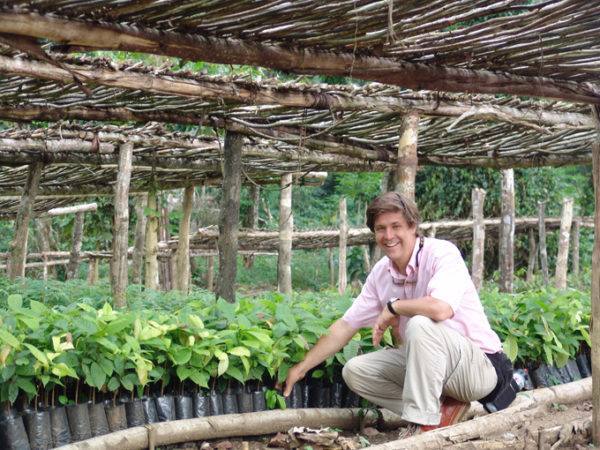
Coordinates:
393 202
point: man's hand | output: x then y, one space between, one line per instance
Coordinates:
386 319
295 374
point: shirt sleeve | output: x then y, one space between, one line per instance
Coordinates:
366 307
450 279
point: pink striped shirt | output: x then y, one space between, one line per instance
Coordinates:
442 274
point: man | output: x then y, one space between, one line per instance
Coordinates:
421 288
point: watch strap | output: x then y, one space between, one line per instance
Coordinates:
390 307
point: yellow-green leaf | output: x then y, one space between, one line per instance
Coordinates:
240 351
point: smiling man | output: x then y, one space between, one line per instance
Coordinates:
447 356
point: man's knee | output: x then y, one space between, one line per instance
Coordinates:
350 371
418 325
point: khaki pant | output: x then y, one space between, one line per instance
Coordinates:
410 380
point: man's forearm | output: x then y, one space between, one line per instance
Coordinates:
431 307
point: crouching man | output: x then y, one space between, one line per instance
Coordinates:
421 289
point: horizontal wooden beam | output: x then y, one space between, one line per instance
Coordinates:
87 207
295 97
92 35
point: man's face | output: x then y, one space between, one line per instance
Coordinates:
395 237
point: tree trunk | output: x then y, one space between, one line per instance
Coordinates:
151 259
507 231
182 272
137 259
43 231
531 263
477 200
251 219
18 247
286 227
93 264
229 217
575 250
406 170
342 271
542 242
560 278
77 240
121 227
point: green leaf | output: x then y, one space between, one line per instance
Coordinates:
107 365
26 385
62 370
200 378
97 375
13 392
15 302
41 357
9 339
236 373
182 355
223 365
511 348
183 373
239 351
113 384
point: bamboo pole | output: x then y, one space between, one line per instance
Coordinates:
77 240
531 263
121 227
342 272
477 200
286 228
595 330
542 242
151 244
182 273
507 231
18 246
575 248
406 169
229 216
137 259
560 277
92 277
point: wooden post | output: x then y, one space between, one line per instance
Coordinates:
77 239
18 246
507 231
342 273
575 249
165 273
121 226
477 200
331 265
566 217
286 227
92 277
182 273
137 259
210 273
251 219
151 244
366 259
229 216
531 263
542 242
406 170
43 230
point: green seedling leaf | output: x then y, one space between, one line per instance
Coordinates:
196 321
26 385
9 339
63 400
301 342
15 302
183 373
511 348
41 357
97 375
200 378
182 355
239 351
62 370
223 365
236 373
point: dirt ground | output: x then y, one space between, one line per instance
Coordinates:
567 423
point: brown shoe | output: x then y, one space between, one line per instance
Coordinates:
453 411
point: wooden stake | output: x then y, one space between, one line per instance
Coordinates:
121 227
286 227
210 273
575 248
182 272
251 219
406 170
560 277
18 247
331 265
366 258
477 200
42 228
77 240
151 260
93 270
165 273
507 231
542 242
342 272
229 216
137 259
531 263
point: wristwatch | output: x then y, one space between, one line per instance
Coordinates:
390 306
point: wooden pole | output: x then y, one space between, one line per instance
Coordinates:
77 240
366 259
507 231
18 247
406 170
251 219
92 277
542 242
121 226
165 272
210 273
331 265
286 227
477 200
229 216
182 273
531 263
342 273
42 229
560 277
151 241
137 259
595 330
575 248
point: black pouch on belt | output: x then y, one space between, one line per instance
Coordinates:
506 388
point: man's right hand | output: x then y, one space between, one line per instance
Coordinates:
295 374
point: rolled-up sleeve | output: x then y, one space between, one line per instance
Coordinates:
450 279
366 307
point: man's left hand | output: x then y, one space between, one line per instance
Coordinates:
386 319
